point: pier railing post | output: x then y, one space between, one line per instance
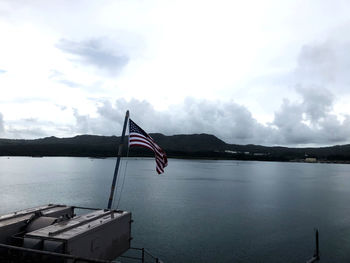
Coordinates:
316 256
317 251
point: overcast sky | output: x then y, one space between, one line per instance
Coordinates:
254 71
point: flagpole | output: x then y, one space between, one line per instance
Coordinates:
118 161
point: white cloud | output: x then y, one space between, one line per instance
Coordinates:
295 123
248 65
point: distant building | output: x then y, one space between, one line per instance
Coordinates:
229 151
311 160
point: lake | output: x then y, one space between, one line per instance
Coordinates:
200 210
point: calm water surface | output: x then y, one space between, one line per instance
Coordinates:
201 211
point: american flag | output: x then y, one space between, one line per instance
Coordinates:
138 137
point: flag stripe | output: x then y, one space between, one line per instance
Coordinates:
147 144
145 140
138 137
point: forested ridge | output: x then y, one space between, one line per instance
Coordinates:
177 146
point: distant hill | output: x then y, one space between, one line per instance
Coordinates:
190 143
180 146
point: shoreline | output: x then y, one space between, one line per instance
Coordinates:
190 158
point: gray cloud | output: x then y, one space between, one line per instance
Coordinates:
26 133
317 60
289 122
325 64
31 128
28 128
83 122
308 122
321 73
229 121
93 52
317 102
319 67
311 121
61 78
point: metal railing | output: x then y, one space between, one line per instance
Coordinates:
8 256
143 257
316 256
5 254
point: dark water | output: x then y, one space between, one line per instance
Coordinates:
201 211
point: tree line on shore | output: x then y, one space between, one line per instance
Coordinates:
176 146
